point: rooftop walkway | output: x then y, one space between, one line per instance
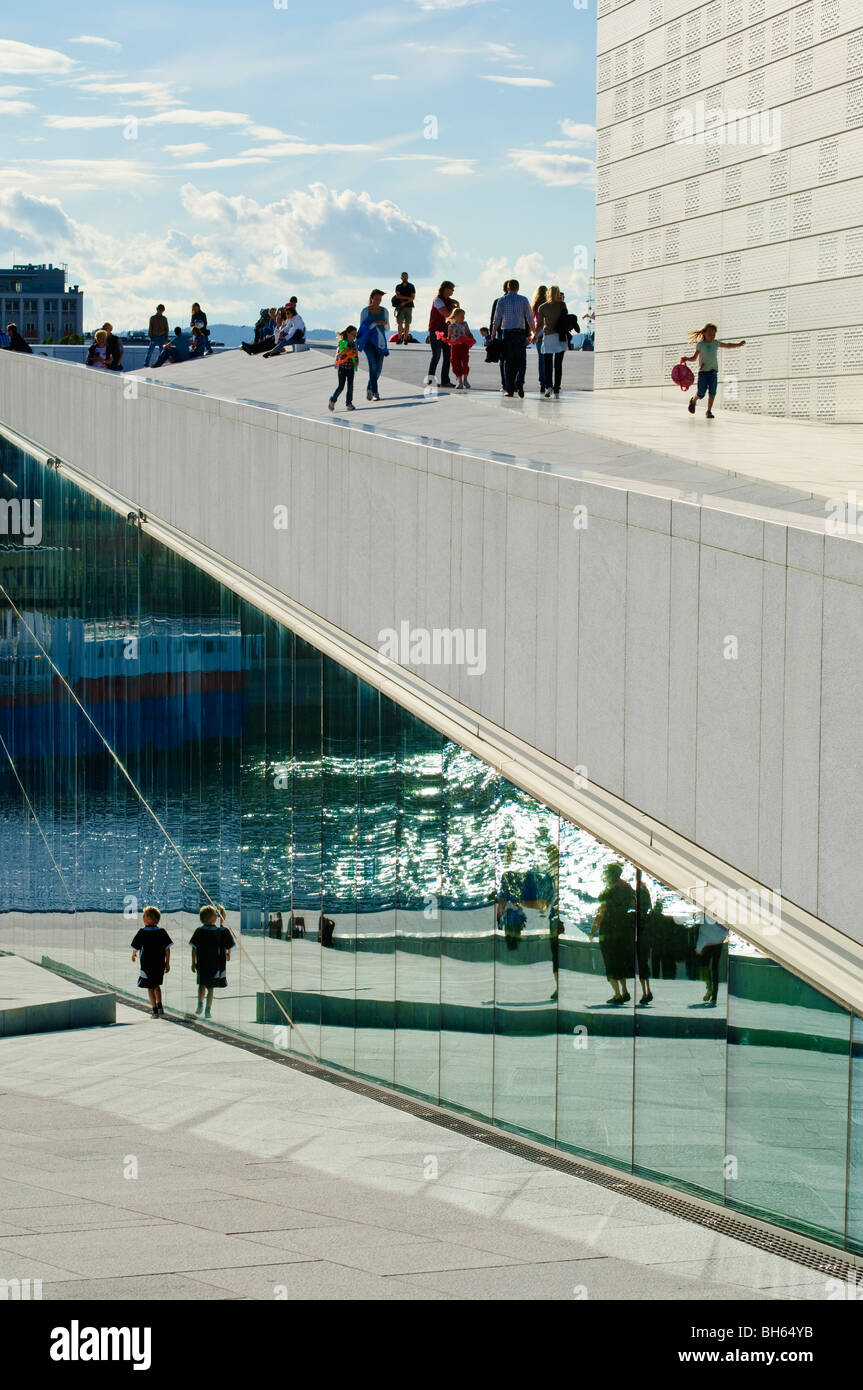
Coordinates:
250 1177
741 461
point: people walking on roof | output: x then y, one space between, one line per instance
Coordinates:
706 348
372 338
514 322
442 306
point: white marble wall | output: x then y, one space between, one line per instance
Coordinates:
605 645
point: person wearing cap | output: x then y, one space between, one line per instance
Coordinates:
157 333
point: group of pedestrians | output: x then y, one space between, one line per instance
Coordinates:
211 944
514 323
180 347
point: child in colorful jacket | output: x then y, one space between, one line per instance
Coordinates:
346 363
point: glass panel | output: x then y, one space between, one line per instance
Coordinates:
597 964
307 824
855 1146
467 932
377 839
525 1039
788 1060
418 961
336 930
680 1040
266 907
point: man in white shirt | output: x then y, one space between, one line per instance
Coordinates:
513 320
292 331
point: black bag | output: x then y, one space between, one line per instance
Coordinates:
493 350
572 324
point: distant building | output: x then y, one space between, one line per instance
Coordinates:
37 298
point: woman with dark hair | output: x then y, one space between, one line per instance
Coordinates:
441 309
374 331
538 299
552 317
16 342
198 325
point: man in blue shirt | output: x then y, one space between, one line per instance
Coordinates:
175 350
513 319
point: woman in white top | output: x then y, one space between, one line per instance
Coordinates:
97 354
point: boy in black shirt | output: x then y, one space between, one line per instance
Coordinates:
211 949
154 945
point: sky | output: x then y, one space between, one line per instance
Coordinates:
238 153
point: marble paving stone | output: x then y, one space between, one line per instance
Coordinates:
144 1288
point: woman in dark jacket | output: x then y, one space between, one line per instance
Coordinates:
198 325
442 306
552 318
16 342
614 924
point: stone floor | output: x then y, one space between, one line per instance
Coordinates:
147 1161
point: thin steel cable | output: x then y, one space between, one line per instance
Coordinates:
148 808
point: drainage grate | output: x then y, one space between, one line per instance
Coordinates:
676 1204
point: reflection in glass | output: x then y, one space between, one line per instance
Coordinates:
525 1039
788 1060
399 909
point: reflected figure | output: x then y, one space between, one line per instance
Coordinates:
211 944
663 933
613 926
708 952
542 891
643 923
509 913
153 944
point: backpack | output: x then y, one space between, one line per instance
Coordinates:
682 375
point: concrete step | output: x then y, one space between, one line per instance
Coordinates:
33 1000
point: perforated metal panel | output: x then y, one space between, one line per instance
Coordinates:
760 231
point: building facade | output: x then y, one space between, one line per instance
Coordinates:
730 190
38 300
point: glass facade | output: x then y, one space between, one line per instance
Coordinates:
399 909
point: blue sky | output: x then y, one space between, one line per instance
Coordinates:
237 153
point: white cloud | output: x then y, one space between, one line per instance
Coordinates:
41 220
23 57
140 93
300 147
12 91
448 4
16 108
227 162
184 151
517 81
76 175
97 41
557 170
269 132
187 116
83 122
457 168
182 116
578 133
443 165
385 77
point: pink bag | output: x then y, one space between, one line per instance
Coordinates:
682 375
